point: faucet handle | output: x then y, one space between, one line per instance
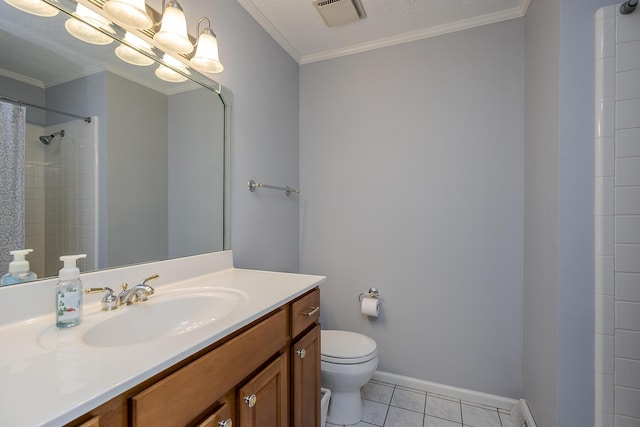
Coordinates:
152 277
109 300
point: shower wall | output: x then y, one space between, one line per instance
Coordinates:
617 219
70 189
34 197
60 196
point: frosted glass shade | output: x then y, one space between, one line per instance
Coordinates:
132 13
173 31
34 7
169 75
206 57
85 32
131 55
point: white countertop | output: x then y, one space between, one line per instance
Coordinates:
45 384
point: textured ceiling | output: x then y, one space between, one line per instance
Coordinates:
300 30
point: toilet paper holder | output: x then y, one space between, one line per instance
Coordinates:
373 293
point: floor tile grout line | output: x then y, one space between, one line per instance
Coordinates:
389 406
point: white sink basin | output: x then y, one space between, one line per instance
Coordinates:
167 313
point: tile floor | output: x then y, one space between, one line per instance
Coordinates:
387 405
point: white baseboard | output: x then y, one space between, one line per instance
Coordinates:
459 393
528 417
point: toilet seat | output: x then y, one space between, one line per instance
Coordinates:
346 348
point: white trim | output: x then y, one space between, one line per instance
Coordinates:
446 390
270 28
465 24
84 72
528 417
21 78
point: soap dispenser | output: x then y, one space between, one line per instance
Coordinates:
18 269
69 293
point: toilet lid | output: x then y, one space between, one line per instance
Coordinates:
345 347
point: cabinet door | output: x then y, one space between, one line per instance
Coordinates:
305 393
263 401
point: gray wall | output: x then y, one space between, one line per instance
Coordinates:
411 165
196 173
559 176
541 206
137 173
25 92
576 179
264 133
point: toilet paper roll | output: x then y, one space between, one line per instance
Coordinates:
370 306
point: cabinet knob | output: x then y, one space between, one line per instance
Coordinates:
251 400
226 423
301 353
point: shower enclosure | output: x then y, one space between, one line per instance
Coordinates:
61 211
617 218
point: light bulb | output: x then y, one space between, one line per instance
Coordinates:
167 74
132 13
131 55
206 57
82 31
173 31
34 7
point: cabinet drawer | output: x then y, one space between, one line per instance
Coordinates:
222 417
187 393
305 312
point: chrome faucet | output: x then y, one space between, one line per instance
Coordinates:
139 292
109 301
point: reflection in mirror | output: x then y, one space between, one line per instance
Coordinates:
143 180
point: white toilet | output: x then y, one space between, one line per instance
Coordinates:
348 361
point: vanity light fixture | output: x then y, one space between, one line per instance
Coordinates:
34 7
131 55
131 13
167 74
206 57
79 28
173 34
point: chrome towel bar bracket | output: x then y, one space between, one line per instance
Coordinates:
287 190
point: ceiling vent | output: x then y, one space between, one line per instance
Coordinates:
340 12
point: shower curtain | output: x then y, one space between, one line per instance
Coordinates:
12 152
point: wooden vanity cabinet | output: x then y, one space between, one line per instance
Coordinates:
187 393
223 416
267 375
305 383
305 360
264 400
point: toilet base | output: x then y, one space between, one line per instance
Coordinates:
345 407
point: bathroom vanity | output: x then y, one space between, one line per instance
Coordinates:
255 365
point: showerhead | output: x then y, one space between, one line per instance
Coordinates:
46 139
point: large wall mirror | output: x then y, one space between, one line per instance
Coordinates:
144 178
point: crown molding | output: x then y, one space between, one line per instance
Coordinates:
24 79
491 18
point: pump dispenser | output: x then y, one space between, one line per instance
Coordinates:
69 293
18 269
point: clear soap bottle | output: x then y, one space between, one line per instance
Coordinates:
18 269
69 293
